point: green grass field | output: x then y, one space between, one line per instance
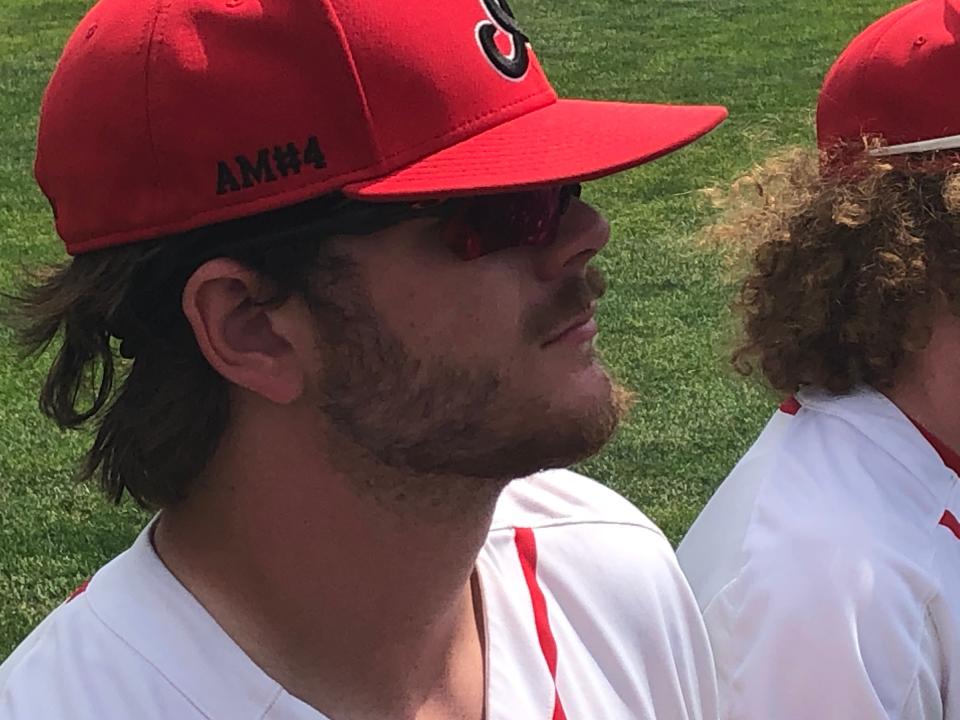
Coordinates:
665 321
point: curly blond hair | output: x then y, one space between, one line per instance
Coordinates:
846 269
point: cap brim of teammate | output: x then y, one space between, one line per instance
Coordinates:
567 141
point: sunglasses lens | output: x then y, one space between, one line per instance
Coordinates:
490 223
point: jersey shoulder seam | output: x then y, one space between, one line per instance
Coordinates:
573 522
926 618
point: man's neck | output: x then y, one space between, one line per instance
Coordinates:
935 412
358 609
928 387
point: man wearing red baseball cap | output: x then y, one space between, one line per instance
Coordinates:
341 245
827 564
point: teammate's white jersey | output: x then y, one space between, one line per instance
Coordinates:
827 567
587 618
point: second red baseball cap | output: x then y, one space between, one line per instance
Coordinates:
893 83
166 115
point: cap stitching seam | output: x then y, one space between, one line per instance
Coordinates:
862 68
887 30
355 71
155 36
145 34
470 121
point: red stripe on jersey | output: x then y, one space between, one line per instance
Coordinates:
949 456
527 551
79 591
952 460
949 520
791 406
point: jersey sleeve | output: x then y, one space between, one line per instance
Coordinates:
822 629
632 643
632 603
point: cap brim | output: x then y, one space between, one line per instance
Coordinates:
568 141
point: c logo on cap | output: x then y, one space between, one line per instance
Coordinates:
515 65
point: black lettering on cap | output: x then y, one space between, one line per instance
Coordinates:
284 161
226 181
254 174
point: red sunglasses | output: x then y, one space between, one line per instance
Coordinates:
484 224
471 226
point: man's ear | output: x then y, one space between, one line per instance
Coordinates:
264 348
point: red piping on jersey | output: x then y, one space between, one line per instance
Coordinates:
949 456
949 520
79 591
951 459
527 551
791 406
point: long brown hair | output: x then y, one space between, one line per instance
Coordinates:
125 356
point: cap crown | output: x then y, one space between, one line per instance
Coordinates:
164 115
894 80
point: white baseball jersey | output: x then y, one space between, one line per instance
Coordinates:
587 617
827 567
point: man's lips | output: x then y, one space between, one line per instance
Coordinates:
582 325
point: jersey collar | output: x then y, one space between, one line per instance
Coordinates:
874 415
949 456
140 600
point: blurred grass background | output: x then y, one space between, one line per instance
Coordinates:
665 323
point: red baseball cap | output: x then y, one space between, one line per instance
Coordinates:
166 115
893 82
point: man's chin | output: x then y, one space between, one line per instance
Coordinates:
586 392
555 420
543 436
585 420
593 376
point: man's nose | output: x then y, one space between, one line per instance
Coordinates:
583 233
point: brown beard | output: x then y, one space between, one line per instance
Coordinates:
429 417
